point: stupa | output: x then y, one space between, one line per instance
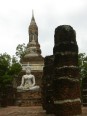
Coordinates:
33 55
35 61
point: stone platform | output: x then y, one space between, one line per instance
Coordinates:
28 98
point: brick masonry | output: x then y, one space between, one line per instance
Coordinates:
28 98
61 85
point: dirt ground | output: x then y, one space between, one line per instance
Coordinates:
23 111
29 111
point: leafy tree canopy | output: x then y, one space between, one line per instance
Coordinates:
5 60
20 50
83 65
9 67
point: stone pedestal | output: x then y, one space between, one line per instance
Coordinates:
28 98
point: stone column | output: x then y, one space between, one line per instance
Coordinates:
47 89
66 73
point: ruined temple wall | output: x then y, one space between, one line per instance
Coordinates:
47 89
66 73
62 97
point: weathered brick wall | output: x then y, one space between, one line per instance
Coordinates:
47 89
28 98
84 91
63 99
66 74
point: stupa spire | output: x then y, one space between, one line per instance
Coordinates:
33 19
32 14
33 47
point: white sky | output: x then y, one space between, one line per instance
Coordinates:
15 17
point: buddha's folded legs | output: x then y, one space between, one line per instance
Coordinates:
34 88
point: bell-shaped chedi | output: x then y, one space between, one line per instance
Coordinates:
33 51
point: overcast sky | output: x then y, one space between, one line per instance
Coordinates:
15 17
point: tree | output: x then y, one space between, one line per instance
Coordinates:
20 50
83 65
15 67
5 60
9 67
14 60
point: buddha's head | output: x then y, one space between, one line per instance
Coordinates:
28 70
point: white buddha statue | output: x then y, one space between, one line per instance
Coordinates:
28 81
